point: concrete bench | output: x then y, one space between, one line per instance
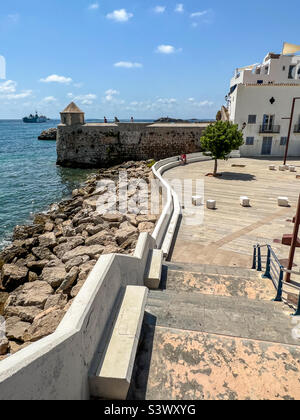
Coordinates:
154 269
283 202
113 377
197 200
292 168
272 167
282 167
245 201
211 204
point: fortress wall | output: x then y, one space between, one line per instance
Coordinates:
99 145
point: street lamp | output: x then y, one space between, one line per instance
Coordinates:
290 130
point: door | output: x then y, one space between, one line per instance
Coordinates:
268 122
266 146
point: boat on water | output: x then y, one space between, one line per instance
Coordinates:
35 119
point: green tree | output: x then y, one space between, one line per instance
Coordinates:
220 139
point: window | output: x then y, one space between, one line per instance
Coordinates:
292 71
283 68
251 119
249 141
298 73
267 70
283 141
259 82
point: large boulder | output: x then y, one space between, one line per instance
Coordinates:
55 275
70 244
44 324
25 313
59 300
76 262
126 231
48 240
70 279
15 328
31 294
13 276
49 134
92 251
101 238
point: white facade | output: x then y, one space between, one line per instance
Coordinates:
260 102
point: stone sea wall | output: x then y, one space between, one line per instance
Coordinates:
44 268
101 145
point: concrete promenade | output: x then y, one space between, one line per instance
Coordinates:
228 233
212 331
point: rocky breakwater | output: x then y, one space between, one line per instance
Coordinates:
50 134
47 263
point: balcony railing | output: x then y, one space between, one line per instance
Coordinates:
265 128
297 128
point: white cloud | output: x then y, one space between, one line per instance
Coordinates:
8 87
128 65
87 99
199 14
179 8
160 9
49 99
120 15
166 101
8 90
167 49
200 104
54 78
94 6
110 95
22 95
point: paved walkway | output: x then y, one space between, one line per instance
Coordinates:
227 234
213 332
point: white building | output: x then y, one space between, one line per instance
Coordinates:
260 102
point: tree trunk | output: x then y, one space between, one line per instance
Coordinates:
216 167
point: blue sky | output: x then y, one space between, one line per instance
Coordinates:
145 59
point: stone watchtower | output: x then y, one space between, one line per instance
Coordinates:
72 115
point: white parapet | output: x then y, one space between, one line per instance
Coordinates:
292 168
283 202
154 269
245 201
272 167
197 200
113 377
282 167
211 204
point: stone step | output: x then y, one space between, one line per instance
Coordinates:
212 269
225 284
232 316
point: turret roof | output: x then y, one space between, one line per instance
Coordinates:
72 108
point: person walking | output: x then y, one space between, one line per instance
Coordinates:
105 120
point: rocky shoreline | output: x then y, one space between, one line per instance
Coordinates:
50 134
43 269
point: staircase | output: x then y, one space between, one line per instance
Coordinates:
214 332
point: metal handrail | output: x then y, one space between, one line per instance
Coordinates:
272 262
265 128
